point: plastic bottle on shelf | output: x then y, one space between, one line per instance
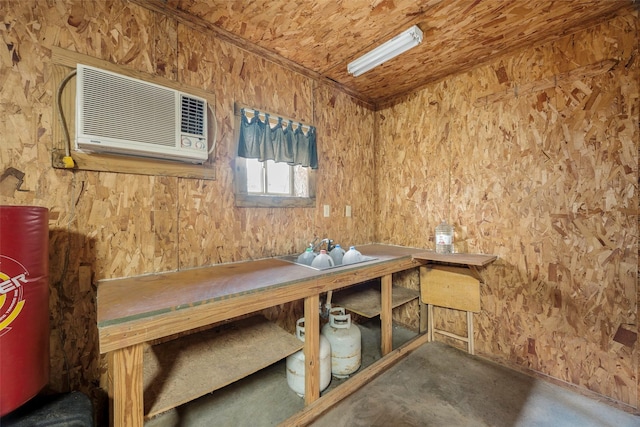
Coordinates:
337 253
307 257
323 260
444 238
351 256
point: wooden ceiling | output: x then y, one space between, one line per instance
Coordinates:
320 37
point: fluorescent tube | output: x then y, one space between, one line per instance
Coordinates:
394 47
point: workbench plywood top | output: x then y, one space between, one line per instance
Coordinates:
156 293
142 296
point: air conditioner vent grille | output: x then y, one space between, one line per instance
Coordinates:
192 116
122 108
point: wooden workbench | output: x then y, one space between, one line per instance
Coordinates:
135 311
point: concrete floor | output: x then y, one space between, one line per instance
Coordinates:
453 389
456 389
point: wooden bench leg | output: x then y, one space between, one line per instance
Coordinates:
470 346
311 349
423 317
386 326
125 387
430 321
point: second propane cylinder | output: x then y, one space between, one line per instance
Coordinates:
346 343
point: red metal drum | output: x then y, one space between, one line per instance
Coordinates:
24 304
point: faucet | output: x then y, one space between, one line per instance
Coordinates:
315 245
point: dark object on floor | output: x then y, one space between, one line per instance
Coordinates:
61 410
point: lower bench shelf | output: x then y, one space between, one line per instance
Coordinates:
186 368
364 299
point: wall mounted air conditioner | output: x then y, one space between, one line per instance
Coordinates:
122 115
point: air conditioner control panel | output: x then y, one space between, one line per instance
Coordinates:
193 142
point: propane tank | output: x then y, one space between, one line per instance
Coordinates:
296 365
346 343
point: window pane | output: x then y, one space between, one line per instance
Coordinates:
300 181
254 176
278 178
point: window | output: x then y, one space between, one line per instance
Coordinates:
276 161
269 178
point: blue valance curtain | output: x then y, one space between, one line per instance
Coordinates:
280 143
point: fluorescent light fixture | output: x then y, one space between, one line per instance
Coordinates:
394 47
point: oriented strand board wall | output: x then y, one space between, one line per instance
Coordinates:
533 158
107 225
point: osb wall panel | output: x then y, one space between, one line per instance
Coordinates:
347 170
533 158
106 225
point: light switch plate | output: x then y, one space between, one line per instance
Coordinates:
326 211
347 211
